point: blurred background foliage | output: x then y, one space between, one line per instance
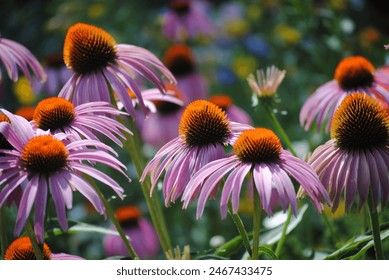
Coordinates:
307 38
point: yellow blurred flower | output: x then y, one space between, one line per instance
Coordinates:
287 33
96 10
254 12
23 91
339 212
237 27
246 205
244 65
339 4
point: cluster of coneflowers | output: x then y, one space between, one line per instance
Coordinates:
55 153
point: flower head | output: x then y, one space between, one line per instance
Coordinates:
40 161
267 83
57 75
203 131
60 115
353 74
21 249
143 237
355 159
17 57
257 152
180 60
99 63
186 19
234 113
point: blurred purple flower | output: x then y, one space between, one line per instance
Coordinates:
17 57
57 75
234 113
143 237
186 19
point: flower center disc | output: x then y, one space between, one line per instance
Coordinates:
128 216
354 72
258 145
44 154
360 123
179 60
21 249
54 113
180 7
204 123
3 141
166 107
88 48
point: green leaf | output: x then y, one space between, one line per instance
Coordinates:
77 227
356 247
272 236
264 249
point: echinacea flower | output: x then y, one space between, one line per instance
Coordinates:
16 57
21 249
3 141
186 19
141 232
180 60
356 158
41 162
60 115
162 125
57 75
353 74
258 153
26 112
234 113
266 83
204 130
100 64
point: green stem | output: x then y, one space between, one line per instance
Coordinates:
330 228
113 219
375 227
241 229
35 246
281 242
256 225
4 241
280 129
134 149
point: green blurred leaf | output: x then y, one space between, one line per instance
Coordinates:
273 235
356 247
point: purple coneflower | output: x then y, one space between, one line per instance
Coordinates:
59 115
17 57
203 131
186 19
180 60
57 75
162 126
353 74
356 158
21 249
141 232
257 152
100 64
266 83
43 162
234 113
